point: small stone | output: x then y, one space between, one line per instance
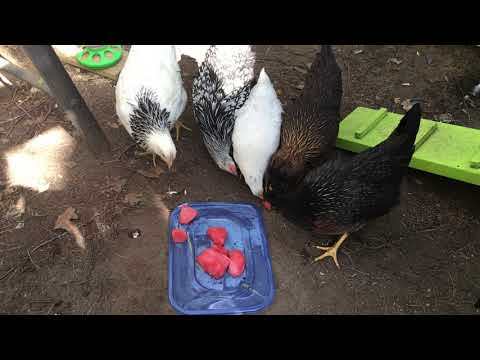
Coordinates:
135 234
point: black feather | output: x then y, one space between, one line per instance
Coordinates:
147 117
342 195
214 109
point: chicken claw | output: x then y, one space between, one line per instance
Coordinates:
147 153
178 126
331 250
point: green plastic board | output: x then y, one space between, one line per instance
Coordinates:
101 57
442 149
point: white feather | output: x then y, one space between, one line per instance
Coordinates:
256 134
154 67
476 90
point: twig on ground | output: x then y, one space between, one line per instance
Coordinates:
23 114
31 260
45 117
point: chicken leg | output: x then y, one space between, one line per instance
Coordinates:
331 250
147 153
178 126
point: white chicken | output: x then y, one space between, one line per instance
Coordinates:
256 134
150 98
476 90
196 52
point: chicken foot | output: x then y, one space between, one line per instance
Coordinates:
331 251
147 153
178 126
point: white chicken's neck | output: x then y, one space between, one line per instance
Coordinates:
160 55
160 142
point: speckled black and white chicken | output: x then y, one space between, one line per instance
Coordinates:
150 98
340 196
256 134
222 86
310 124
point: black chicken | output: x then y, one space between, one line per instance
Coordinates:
310 125
340 197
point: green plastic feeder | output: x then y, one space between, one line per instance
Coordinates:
443 149
99 57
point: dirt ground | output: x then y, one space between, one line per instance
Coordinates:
422 258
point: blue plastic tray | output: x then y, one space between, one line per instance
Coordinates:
191 291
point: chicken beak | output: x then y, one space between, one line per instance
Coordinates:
169 163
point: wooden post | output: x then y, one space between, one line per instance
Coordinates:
62 87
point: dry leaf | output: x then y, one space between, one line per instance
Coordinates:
152 173
70 164
356 52
395 61
299 86
18 209
64 222
407 104
300 70
447 118
176 193
103 228
116 185
133 199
